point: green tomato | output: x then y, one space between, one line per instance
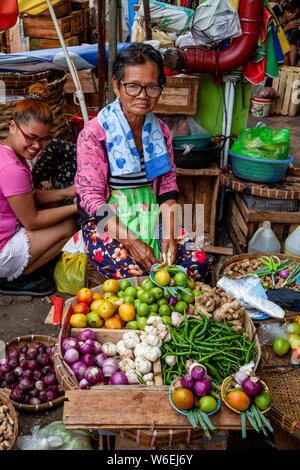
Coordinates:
121 294
188 298
94 320
197 292
139 292
131 291
281 346
146 297
207 404
263 400
124 283
132 325
153 308
164 310
128 299
180 279
147 284
162 301
141 323
166 320
179 296
137 302
157 292
142 309
181 306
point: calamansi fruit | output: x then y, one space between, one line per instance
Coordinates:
78 320
162 277
157 292
143 309
127 312
141 323
238 400
106 309
164 310
111 285
181 306
183 399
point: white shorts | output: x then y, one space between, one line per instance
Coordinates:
15 255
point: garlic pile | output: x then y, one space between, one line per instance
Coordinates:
139 352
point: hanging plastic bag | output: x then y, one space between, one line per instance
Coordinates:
263 142
215 21
167 17
69 272
54 437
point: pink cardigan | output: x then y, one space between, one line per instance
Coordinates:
92 167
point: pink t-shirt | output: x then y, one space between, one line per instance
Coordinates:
15 178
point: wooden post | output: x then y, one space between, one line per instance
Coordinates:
113 41
101 53
147 18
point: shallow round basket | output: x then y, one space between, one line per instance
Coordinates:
20 341
185 412
4 400
65 376
152 272
223 393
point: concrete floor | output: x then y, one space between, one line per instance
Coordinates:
25 315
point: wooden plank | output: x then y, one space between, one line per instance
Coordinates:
213 214
233 236
239 218
218 250
145 409
211 170
179 96
241 205
50 43
240 237
287 94
294 106
87 80
281 88
275 85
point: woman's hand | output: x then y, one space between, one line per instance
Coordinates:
142 253
70 192
170 249
294 24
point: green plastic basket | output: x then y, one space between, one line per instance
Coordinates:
198 141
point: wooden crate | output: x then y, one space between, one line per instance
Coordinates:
62 8
88 81
242 222
50 43
179 96
287 87
43 27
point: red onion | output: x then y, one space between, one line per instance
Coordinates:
202 387
86 334
172 301
33 393
33 364
284 274
17 394
239 377
97 348
252 386
49 379
70 343
32 353
71 355
28 374
197 372
12 386
79 369
37 375
3 384
108 370
46 369
93 375
13 352
100 358
39 346
87 347
42 358
18 371
4 367
187 381
88 359
50 395
43 396
34 401
83 384
23 363
24 349
26 384
112 361
118 378
39 385
9 377
52 388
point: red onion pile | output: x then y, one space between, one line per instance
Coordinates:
30 375
89 364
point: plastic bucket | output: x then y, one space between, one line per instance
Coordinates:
260 107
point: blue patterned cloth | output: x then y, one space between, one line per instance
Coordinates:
123 155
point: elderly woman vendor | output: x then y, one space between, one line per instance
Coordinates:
125 168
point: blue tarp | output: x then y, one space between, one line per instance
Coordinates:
84 57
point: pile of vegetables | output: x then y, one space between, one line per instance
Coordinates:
248 395
6 428
216 345
30 375
195 394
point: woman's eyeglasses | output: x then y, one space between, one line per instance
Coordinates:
133 89
31 140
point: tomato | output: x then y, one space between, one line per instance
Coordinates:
183 399
293 327
124 283
281 346
180 279
162 277
207 404
147 298
153 308
132 325
106 309
162 301
157 292
238 400
127 312
81 308
78 320
181 306
121 294
95 304
293 339
141 323
111 285
263 400
97 295
113 323
142 309
188 297
164 310
147 284
85 295
128 299
94 320
131 291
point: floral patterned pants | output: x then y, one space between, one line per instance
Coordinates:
113 260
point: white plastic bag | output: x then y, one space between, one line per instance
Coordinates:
75 244
167 17
215 21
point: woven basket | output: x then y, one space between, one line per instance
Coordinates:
283 380
4 400
223 394
29 340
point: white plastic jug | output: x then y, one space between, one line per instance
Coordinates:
264 240
292 243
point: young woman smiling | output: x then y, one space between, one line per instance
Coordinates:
32 228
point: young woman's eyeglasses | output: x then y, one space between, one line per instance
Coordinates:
133 89
31 140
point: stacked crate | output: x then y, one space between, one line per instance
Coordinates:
73 20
